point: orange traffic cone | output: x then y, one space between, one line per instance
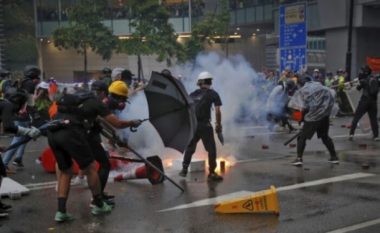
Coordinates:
144 171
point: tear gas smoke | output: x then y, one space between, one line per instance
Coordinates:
243 93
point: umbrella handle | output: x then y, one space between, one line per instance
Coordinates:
134 129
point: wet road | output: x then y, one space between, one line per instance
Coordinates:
319 197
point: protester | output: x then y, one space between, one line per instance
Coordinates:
369 85
12 102
316 102
5 82
42 102
329 79
106 78
342 99
70 141
204 98
24 116
276 106
116 74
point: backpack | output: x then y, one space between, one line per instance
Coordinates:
72 103
373 85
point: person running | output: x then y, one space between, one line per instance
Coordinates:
12 102
204 98
316 101
70 141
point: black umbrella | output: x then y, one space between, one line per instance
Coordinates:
171 111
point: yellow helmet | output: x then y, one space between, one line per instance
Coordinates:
119 88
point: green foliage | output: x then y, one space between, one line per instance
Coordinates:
214 25
85 30
152 34
19 45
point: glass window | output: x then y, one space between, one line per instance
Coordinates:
268 15
47 10
259 13
251 14
240 16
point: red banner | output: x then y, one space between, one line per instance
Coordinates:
374 63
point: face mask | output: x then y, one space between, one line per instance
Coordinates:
115 103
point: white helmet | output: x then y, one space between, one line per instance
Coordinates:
204 75
43 85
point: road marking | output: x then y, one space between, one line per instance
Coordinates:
356 135
325 181
44 185
211 201
357 226
240 194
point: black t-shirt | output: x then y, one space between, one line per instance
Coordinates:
204 99
92 108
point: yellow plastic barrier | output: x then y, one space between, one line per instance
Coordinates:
260 202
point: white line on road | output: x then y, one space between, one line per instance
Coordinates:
356 135
211 201
241 194
325 181
357 226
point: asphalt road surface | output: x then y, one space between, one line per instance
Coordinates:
318 197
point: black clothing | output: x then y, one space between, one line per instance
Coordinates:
367 104
322 128
101 156
204 99
72 141
205 133
29 85
7 111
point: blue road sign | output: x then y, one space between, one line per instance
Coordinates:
293 34
293 58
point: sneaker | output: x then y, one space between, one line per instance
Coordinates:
297 162
63 217
105 209
106 196
334 160
5 207
214 177
3 213
376 139
183 172
79 181
110 202
351 137
18 163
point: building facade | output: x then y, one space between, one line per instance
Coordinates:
253 22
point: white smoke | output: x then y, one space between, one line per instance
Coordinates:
243 93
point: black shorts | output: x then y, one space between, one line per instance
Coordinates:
70 143
321 127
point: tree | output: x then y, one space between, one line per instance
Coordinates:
19 45
86 31
214 26
152 34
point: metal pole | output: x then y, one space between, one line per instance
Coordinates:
349 42
190 17
38 40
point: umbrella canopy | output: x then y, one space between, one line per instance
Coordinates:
171 111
